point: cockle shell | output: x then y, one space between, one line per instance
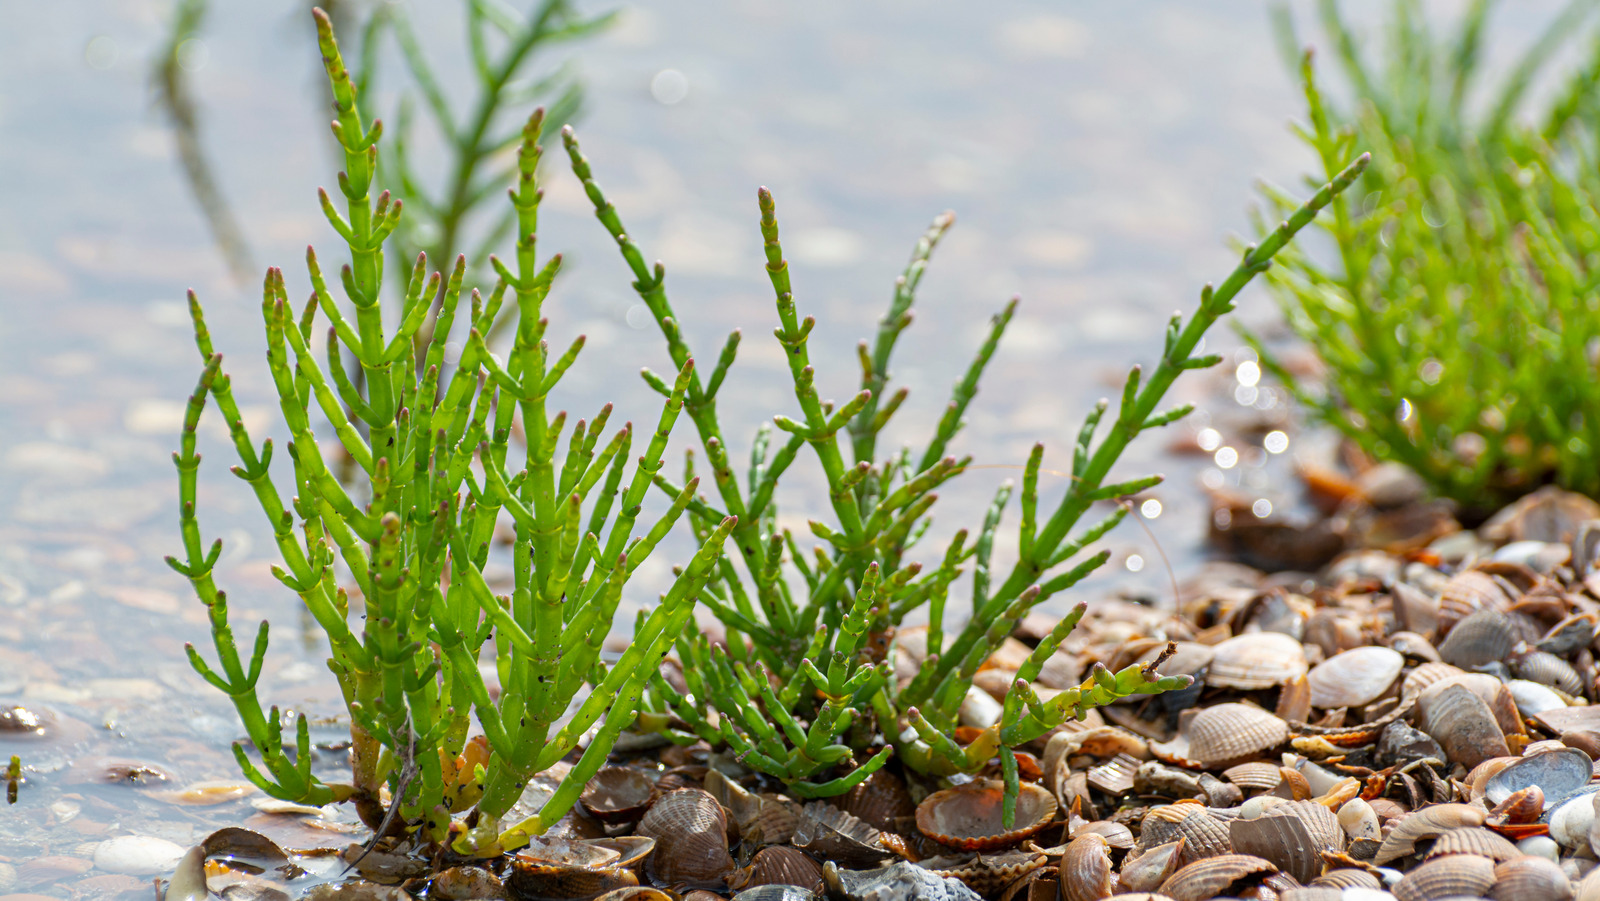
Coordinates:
1429 822
1461 723
1458 875
1354 678
1548 669
691 834
1204 836
896 881
1256 660
831 834
969 816
1293 836
1474 840
1530 879
778 865
1085 872
1229 732
1144 872
1211 877
1482 637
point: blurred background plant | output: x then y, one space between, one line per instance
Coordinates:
1456 321
471 136
407 546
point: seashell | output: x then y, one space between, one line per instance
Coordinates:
994 681
831 834
1520 808
1219 793
1461 722
617 795
1259 805
137 855
1466 593
1429 822
1473 840
1358 820
1167 781
1203 836
1256 660
1400 743
1160 823
1414 646
1548 669
1294 701
459 883
899 880
778 865
1415 611
988 873
775 893
1114 777
1426 675
879 801
1549 514
1533 698
1085 872
1257 776
1541 846
1228 732
1444 877
1557 773
1570 820
1354 678
1312 893
1117 835
691 834
1293 836
1572 633
1214 876
1483 637
969 816
980 710
1145 871
1530 879
1348 877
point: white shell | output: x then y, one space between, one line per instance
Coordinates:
1533 698
1359 820
137 855
1354 678
1540 846
1570 820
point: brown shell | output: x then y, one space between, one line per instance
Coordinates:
1425 675
1256 660
1429 822
1474 840
1114 777
1085 872
986 873
1160 823
1461 723
535 879
1483 637
1227 732
1530 878
778 865
691 834
1116 835
1210 877
617 795
1444 877
1144 872
879 801
969 816
1203 836
1256 775
1466 593
1354 678
1548 669
831 834
1348 877
1292 836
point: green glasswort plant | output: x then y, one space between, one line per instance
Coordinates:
1457 318
435 451
810 692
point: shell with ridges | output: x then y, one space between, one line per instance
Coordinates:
1483 637
1443 877
969 816
1085 872
1203 836
1530 879
893 882
832 834
1145 871
1461 723
778 865
1208 878
1293 836
1548 669
1474 840
1228 732
691 834
1256 775
1429 822
1256 660
1348 877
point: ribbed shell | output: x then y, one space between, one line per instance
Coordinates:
617 795
1348 877
969 816
1354 678
831 834
1203 836
1209 878
1429 822
1256 775
1474 840
1292 836
1085 872
1530 879
1256 660
1114 777
1117 835
986 873
691 834
1548 669
1480 638
1425 675
778 865
1160 823
880 800
1228 732
1466 593
1454 876
1461 723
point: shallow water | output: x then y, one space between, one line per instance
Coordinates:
1097 157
